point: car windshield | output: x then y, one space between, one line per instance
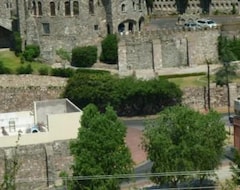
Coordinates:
211 22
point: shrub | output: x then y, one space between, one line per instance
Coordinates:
62 72
43 71
25 69
109 52
31 52
3 69
17 43
84 56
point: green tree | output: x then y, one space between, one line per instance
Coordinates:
100 150
109 52
181 139
236 167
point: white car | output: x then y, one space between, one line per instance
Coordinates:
206 23
191 26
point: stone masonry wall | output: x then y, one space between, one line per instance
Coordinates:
39 165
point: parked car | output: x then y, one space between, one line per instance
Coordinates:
206 23
191 26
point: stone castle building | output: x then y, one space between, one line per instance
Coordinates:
55 24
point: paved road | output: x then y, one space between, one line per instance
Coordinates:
170 22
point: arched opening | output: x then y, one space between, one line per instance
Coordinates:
34 8
67 8
40 8
52 9
75 8
123 8
121 27
130 27
91 7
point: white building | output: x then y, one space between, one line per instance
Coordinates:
52 120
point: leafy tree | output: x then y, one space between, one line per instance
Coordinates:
109 52
129 96
84 56
100 150
181 139
228 51
226 74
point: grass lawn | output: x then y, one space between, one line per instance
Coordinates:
13 62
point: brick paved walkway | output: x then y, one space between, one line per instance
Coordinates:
133 140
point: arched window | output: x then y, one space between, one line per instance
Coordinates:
67 8
75 8
34 8
139 5
91 7
39 8
123 8
52 9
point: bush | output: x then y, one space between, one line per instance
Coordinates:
43 71
84 56
3 69
62 72
25 69
31 52
17 43
109 52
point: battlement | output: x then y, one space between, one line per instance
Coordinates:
163 33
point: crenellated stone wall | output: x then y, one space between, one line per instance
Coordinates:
159 49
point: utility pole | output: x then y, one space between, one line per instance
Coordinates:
208 78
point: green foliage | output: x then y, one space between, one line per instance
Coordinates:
128 96
109 52
228 49
25 69
100 149
3 69
31 52
181 139
84 56
17 43
236 167
43 71
225 74
63 54
182 75
62 72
